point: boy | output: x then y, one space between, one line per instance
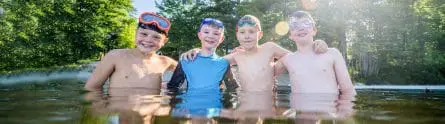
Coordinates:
139 67
310 72
256 63
207 71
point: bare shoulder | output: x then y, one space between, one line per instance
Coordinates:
335 54
167 59
334 51
269 44
117 52
168 62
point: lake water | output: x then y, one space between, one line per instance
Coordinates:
63 101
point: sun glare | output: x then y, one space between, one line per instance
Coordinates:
281 28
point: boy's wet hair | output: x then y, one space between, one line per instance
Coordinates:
151 27
299 15
249 20
211 22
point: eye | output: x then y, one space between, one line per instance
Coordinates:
156 37
144 34
216 33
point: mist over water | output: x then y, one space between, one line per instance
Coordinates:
82 73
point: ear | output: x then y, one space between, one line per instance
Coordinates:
165 40
222 39
315 31
260 35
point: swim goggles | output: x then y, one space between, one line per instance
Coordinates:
294 25
149 18
211 21
248 22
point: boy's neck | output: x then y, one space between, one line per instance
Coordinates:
305 48
144 55
252 50
207 51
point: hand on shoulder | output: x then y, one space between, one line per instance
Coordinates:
189 55
320 46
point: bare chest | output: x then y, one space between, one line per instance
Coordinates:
258 62
317 65
137 69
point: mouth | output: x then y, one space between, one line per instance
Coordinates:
247 42
147 44
210 41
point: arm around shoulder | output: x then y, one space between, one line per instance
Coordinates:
229 80
279 68
103 70
172 64
277 50
177 79
341 73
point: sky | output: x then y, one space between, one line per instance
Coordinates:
144 6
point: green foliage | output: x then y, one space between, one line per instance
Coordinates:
400 42
46 33
384 41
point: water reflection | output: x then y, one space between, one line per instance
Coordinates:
252 107
198 104
147 106
198 107
312 108
122 106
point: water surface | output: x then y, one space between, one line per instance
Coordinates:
62 101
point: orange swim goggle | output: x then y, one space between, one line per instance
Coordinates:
149 18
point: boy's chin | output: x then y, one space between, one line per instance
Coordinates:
146 50
303 39
210 46
247 46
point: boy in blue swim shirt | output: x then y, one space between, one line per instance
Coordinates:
208 70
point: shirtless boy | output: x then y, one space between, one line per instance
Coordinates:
256 63
139 67
310 72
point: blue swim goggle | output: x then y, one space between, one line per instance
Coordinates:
211 21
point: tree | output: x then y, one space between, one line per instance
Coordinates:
45 33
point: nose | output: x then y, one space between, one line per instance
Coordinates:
247 37
150 40
211 37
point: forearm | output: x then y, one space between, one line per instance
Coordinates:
348 91
279 69
177 79
92 88
95 82
231 84
230 81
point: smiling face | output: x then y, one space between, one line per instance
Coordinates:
148 41
210 36
248 32
248 36
302 30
